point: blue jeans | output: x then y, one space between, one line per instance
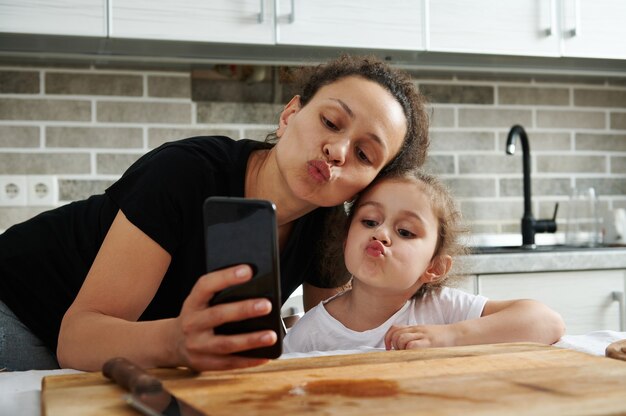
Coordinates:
20 349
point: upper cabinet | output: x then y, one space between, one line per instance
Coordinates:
571 28
594 28
511 27
348 23
224 21
54 17
351 23
539 28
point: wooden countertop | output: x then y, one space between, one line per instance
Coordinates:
511 379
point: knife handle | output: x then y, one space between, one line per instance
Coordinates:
130 376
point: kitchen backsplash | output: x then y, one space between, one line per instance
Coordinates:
80 128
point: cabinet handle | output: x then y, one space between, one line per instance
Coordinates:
292 15
619 298
550 29
261 16
575 31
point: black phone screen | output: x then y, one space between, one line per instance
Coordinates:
244 231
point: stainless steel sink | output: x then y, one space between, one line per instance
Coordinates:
538 248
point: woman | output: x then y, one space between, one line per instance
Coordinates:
121 274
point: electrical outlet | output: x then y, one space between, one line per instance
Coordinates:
12 190
42 190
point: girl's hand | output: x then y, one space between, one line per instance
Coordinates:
420 336
196 344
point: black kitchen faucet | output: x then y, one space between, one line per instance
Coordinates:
530 225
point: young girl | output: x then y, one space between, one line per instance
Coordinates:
401 239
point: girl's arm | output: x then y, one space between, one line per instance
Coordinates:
501 321
513 321
102 322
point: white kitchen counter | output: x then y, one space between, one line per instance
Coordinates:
583 259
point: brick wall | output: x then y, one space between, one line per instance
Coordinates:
82 127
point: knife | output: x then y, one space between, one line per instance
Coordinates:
147 393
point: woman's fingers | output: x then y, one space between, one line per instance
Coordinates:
198 344
198 316
216 350
207 342
211 283
211 317
229 344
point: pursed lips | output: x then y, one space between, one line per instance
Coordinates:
375 248
319 170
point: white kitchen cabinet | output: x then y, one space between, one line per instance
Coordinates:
594 28
225 21
54 17
570 28
511 27
548 28
348 23
585 299
367 24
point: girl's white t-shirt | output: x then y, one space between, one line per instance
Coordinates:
317 330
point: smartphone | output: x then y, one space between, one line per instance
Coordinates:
244 231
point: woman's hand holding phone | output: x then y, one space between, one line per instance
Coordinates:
198 346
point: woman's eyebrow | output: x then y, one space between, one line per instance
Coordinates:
345 106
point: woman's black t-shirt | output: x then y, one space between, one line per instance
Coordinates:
44 261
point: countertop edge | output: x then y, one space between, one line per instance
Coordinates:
614 258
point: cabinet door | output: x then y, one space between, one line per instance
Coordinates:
583 298
227 21
54 17
594 28
367 24
511 27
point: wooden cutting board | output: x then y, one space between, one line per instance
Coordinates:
520 378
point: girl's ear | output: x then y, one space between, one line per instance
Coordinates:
438 268
290 109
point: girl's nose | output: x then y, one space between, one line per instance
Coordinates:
336 151
381 236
